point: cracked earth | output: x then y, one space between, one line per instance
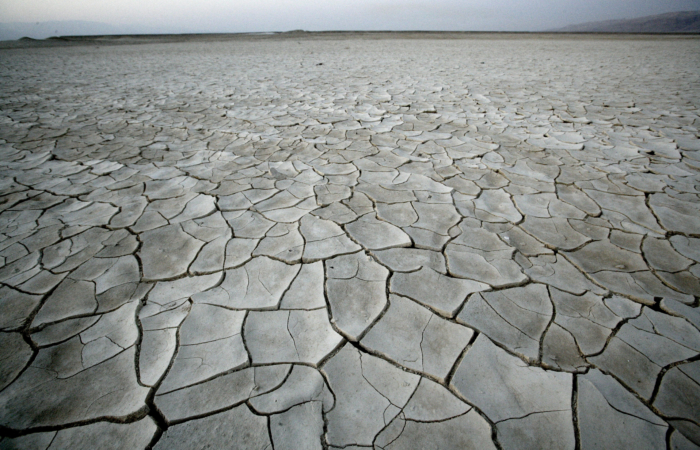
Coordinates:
332 243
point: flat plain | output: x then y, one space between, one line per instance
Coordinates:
346 241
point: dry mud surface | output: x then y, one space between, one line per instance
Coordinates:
351 243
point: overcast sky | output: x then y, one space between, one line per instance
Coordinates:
282 15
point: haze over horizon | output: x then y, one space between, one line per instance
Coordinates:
221 16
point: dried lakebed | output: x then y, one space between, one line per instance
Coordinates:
351 243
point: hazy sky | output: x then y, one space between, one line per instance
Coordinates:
283 15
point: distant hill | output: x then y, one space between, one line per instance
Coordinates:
675 22
43 30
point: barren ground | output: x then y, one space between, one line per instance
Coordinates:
350 240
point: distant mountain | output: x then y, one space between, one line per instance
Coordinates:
675 22
43 30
